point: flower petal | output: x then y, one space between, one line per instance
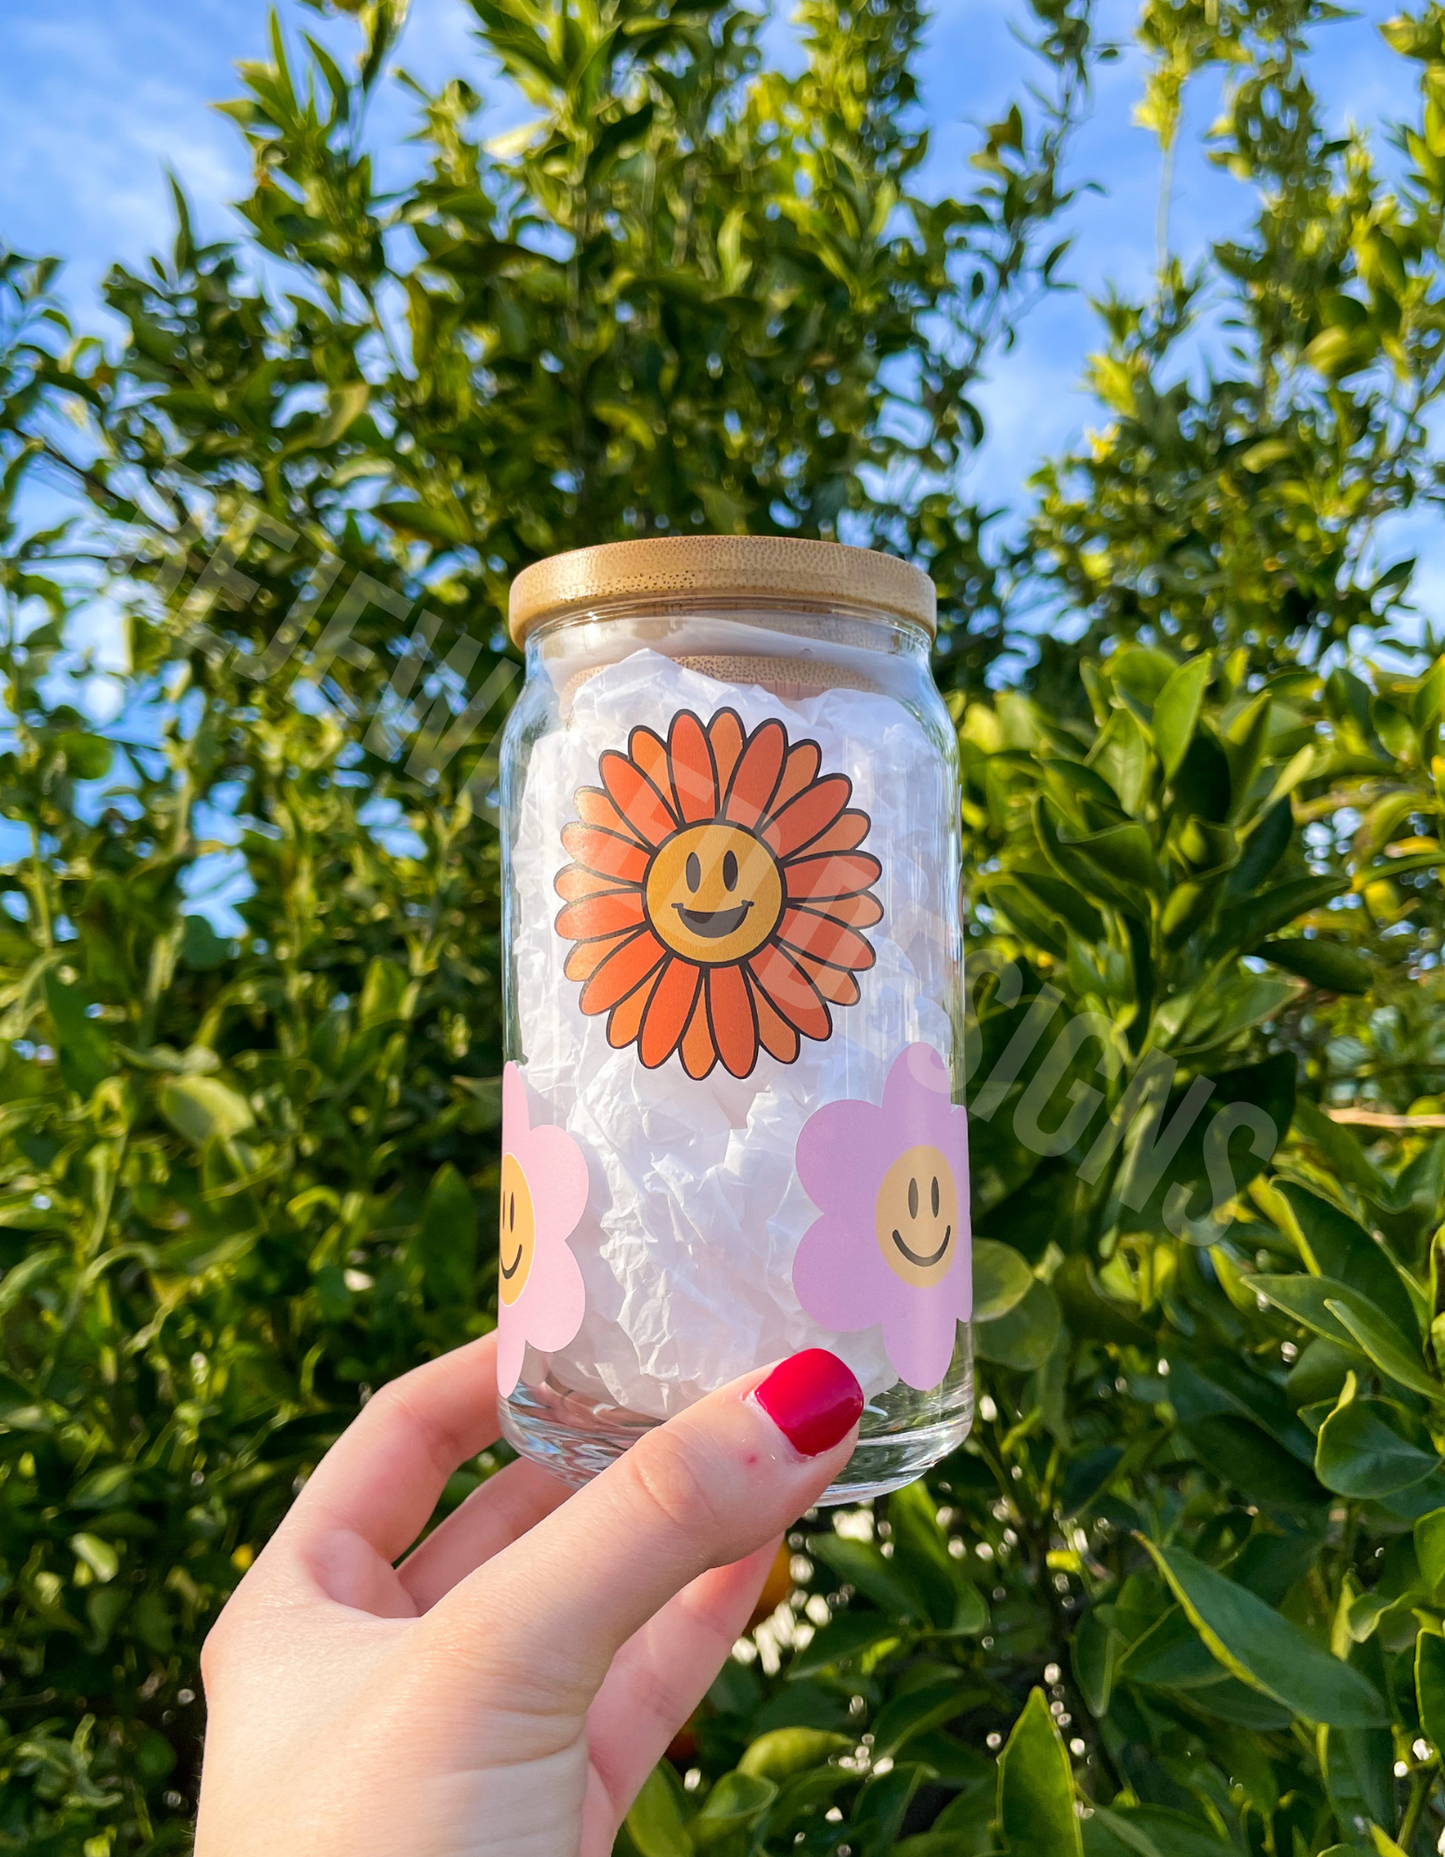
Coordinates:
834 983
623 970
730 1013
800 768
834 1274
587 956
791 991
639 802
668 1012
698 1052
725 737
920 1337
859 912
825 938
626 1019
608 853
831 876
779 1039
755 778
808 816
850 829
511 1349
572 883
694 778
555 1299
648 753
595 808
601 915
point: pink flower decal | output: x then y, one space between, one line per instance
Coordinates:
892 1245
540 1298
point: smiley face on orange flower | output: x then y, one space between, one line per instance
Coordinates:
718 894
713 893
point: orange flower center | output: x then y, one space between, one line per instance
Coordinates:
915 1217
713 893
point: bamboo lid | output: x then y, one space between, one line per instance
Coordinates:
680 568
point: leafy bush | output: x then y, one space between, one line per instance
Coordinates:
1184 1588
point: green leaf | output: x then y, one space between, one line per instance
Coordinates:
1171 1655
1342 1152
1262 1648
446 1245
850 1635
203 1109
1360 1454
1001 1279
1338 1247
736 1802
87 757
786 1751
1264 452
1176 711
384 994
1429 1536
1036 1787
917 1711
86 1054
1307 1300
1090 1314
1430 1686
1244 1456
1094 1655
1386 1346
1221 1149
1358 1764
881 1808
201 947
1097 879
1149 1831
1263 849
446 525
921 1552
98 1555
861 1565
1123 852
345 406
1260 917
1326 964
655 1823
1025 1337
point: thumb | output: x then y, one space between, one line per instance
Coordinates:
701 1491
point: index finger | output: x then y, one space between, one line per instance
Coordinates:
383 1476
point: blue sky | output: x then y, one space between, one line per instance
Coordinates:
97 97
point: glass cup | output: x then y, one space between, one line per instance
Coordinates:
732 1102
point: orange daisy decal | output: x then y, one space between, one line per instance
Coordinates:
718 894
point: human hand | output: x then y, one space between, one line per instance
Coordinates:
506 1689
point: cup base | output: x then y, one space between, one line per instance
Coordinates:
573 1437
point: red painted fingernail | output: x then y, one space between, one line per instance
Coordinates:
812 1399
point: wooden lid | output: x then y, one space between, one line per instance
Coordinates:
776 569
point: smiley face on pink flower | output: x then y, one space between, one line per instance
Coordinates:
891 1247
540 1296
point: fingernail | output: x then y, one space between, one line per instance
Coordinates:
812 1399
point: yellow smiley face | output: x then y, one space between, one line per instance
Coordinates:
713 893
916 1217
518 1233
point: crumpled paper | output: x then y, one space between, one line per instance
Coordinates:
695 1210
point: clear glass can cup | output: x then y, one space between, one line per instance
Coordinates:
732 1121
